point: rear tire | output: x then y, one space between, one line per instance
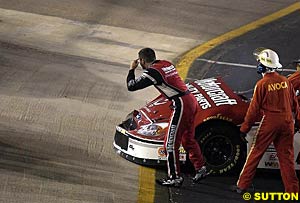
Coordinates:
222 147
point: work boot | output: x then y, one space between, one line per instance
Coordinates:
200 174
170 182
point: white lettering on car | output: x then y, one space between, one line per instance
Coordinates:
202 101
215 92
204 104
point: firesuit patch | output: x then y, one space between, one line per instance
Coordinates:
170 143
277 86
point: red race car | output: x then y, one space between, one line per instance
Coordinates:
139 138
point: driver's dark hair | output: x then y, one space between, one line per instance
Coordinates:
147 54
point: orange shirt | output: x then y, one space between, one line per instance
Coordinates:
273 94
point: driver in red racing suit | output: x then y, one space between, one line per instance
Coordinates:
163 75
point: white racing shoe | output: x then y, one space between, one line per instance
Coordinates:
200 174
170 182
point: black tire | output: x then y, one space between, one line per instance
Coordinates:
222 147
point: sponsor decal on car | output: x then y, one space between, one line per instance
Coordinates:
161 152
271 164
182 154
218 116
204 104
215 92
121 130
273 157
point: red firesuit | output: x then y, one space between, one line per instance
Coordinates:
295 80
163 75
275 98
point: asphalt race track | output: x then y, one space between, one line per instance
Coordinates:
63 65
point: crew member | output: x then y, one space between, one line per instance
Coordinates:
275 98
163 75
295 79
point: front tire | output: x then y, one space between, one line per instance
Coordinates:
222 147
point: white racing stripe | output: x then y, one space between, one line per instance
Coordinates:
236 64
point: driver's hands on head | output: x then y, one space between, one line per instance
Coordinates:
134 64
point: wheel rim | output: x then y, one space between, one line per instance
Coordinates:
218 150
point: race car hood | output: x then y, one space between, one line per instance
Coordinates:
212 94
216 101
